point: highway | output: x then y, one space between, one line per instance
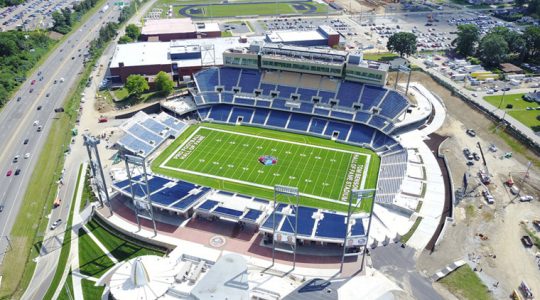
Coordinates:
17 121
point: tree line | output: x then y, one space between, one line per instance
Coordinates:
19 52
4 3
500 44
64 18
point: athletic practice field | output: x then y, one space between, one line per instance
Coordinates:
228 157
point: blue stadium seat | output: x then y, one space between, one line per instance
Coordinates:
305 222
134 144
249 80
331 226
362 116
361 134
269 222
336 126
220 113
285 91
305 107
245 101
227 97
299 122
229 77
228 212
377 121
317 125
260 116
321 112
170 195
267 88
153 125
211 97
279 103
145 134
393 104
348 93
381 140
306 94
263 103
207 205
207 79
174 123
341 115
326 96
357 229
245 113
371 96
278 118
252 215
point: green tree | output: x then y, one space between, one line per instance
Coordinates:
402 43
136 85
164 83
133 31
531 35
7 46
125 40
515 40
468 36
493 49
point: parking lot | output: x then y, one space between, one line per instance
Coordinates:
31 15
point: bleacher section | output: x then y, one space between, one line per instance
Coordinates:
233 207
274 85
177 196
312 223
392 172
144 133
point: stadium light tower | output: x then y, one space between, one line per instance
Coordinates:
356 198
97 171
291 197
140 181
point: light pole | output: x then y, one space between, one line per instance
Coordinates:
502 98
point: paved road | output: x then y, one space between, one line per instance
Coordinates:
18 117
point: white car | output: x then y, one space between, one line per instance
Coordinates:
36 122
27 155
55 224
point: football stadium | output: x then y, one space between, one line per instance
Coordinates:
315 120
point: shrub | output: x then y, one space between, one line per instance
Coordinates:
509 106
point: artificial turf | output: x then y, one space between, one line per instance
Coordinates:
226 157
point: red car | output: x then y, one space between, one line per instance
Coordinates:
9 173
33 81
102 120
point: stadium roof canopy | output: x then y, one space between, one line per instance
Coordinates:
227 279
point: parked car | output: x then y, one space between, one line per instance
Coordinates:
526 198
476 156
527 241
471 132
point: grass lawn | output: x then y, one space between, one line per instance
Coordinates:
67 290
119 248
120 94
226 157
123 98
64 254
519 110
90 291
92 261
465 284
517 146
226 33
386 56
405 238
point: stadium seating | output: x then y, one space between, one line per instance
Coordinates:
263 103
341 115
267 88
331 226
153 125
244 101
305 107
371 97
305 221
207 79
342 128
378 122
348 93
229 77
278 118
306 94
357 229
299 122
252 215
317 125
362 117
227 97
361 134
145 134
285 91
321 112
260 116
245 113
211 97
326 96
249 80
135 145
220 113
279 104
393 105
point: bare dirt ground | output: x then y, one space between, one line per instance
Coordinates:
503 258
361 6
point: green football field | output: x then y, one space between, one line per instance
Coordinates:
227 157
